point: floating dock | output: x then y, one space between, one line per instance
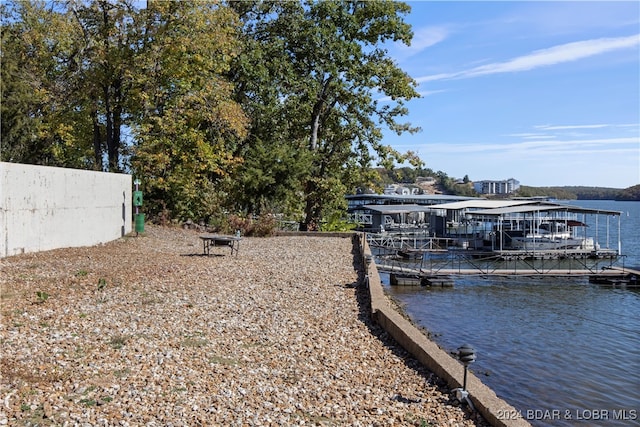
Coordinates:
438 280
618 277
408 276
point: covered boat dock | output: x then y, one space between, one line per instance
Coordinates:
498 237
550 230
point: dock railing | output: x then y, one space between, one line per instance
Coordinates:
400 254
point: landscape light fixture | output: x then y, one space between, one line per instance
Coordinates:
467 355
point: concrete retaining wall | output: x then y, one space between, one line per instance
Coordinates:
495 410
44 208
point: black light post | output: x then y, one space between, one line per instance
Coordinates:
467 355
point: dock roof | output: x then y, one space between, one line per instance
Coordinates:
548 207
417 198
486 207
482 204
397 209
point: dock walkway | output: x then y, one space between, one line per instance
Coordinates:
610 276
393 268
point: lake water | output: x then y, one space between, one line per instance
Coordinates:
563 352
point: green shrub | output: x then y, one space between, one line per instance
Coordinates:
262 226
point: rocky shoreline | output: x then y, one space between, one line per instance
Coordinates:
147 331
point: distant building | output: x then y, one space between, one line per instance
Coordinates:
506 186
399 189
374 212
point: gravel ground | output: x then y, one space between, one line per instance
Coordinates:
147 331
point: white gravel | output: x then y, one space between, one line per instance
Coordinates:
147 331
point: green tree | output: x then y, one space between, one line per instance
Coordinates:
41 122
67 69
326 71
75 75
311 79
186 122
102 73
275 160
630 193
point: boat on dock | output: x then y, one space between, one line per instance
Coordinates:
552 235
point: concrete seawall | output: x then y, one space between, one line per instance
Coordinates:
495 410
43 207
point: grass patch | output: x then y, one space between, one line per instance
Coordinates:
316 419
122 373
219 360
149 298
100 290
88 402
34 417
42 297
6 294
79 351
118 341
194 342
418 421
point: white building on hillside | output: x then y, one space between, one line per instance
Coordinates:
506 186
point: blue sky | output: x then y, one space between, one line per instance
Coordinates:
544 92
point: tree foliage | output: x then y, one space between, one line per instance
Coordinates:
315 98
101 73
67 72
630 193
42 121
186 120
250 106
574 192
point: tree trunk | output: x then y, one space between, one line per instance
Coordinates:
117 124
313 206
113 113
97 139
312 209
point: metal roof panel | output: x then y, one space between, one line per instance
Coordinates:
541 208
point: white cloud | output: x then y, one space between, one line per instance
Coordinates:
539 146
428 36
586 161
545 57
566 127
430 92
422 94
569 127
538 136
423 38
